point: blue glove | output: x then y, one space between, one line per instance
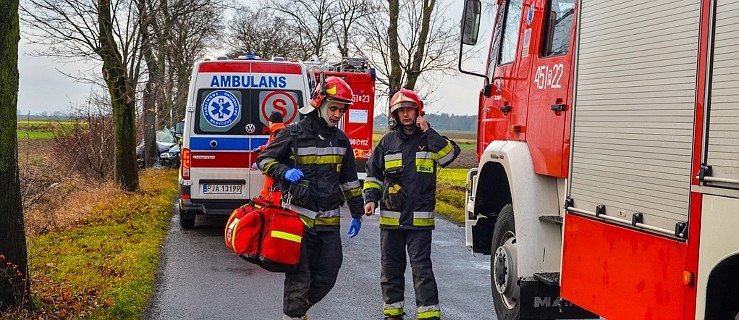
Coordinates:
293 175
257 150
354 227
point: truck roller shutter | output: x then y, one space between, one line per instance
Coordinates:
722 145
634 108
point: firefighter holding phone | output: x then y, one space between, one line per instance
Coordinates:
401 177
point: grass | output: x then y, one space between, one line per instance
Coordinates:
40 129
104 267
450 193
34 135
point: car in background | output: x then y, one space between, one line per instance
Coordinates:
168 150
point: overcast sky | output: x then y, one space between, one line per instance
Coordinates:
43 87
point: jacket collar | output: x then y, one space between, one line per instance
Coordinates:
275 127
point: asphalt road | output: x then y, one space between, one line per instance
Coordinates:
200 278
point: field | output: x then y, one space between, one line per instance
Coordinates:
39 129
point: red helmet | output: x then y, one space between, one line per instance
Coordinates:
406 98
336 89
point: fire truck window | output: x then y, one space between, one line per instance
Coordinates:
558 28
493 57
514 9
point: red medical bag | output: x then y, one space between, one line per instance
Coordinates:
266 235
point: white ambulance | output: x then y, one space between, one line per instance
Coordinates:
226 118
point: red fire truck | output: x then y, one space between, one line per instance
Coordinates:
608 144
358 121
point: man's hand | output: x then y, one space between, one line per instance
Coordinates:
299 192
422 123
293 175
354 227
369 208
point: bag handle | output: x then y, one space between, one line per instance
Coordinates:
293 133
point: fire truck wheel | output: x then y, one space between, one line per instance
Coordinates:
503 260
187 220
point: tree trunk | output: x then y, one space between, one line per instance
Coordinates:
123 102
163 36
392 32
415 70
14 282
151 152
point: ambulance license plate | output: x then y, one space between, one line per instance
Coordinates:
222 188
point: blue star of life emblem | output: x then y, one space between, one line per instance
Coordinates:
221 108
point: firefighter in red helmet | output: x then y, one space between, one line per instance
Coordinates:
401 177
314 162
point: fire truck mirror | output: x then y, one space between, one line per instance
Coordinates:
471 21
487 90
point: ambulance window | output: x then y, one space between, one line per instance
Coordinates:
556 40
514 9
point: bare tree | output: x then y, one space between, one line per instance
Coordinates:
153 66
345 21
190 27
414 39
271 37
104 31
312 19
14 284
122 95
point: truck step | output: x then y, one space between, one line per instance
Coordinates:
551 219
550 278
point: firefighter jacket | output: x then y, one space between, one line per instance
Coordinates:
327 161
270 190
418 155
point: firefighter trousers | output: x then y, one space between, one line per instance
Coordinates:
320 260
393 246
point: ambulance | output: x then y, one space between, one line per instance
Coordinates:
228 106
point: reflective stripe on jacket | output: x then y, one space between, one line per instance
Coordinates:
327 161
419 155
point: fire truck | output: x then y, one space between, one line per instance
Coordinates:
608 145
357 123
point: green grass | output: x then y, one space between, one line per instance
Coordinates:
104 268
450 193
40 129
34 135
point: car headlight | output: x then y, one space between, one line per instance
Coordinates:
165 155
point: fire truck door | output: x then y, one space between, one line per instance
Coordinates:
549 103
512 69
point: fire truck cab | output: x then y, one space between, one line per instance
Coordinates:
608 145
358 122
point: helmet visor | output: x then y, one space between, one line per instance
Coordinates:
334 99
404 104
